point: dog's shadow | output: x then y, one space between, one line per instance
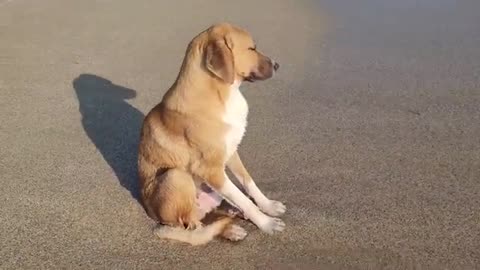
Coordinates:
112 125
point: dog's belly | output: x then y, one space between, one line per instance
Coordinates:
236 111
207 200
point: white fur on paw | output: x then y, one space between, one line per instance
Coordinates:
273 225
273 208
235 233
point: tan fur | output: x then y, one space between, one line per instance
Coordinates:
181 138
235 164
198 236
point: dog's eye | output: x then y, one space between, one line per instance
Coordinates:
253 48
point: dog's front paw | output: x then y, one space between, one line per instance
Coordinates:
234 233
273 225
273 208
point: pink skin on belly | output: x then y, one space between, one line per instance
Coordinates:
208 200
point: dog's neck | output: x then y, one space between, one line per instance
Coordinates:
195 83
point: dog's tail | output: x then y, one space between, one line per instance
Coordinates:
195 237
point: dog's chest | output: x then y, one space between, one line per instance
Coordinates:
235 116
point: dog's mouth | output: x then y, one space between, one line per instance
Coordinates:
263 74
251 78
254 76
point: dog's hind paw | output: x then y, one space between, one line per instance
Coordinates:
234 233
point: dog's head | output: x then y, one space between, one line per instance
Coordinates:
230 54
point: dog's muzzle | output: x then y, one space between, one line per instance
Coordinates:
264 71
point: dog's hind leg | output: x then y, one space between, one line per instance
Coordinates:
179 214
174 199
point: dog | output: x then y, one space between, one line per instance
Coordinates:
190 138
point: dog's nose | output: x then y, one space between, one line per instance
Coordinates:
276 66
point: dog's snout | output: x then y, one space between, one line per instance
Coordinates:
276 65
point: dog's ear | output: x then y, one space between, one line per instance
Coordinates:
219 59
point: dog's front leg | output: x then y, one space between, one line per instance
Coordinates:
218 179
271 207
